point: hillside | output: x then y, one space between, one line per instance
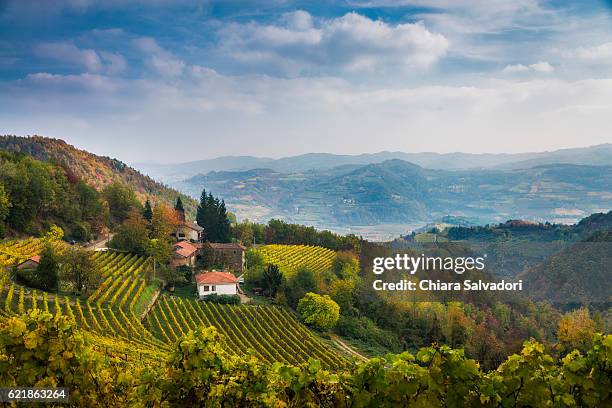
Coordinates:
95 170
399 192
579 274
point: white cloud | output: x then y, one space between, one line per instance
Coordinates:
275 116
161 60
90 60
515 68
596 53
540 66
352 42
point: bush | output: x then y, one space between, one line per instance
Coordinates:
222 299
319 311
365 330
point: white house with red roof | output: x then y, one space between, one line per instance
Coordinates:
216 282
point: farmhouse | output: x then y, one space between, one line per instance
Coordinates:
190 231
232 254
31 263
215 282
184 254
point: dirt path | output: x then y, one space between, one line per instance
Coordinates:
348 348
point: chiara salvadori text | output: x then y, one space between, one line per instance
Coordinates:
437 285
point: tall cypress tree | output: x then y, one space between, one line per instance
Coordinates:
179 208
224 223
201 211
147 211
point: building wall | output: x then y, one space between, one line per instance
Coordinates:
27 265
222 289
234 258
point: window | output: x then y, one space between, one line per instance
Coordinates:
212 288
205 288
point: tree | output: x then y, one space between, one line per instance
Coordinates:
54 234
147 211
178 207
576 329
47 272
164 222
212 216
297 286
78 269
5 206
121 199
319 311
272 279
132 235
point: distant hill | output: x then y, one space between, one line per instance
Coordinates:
579 274
97 171
594 155
400 192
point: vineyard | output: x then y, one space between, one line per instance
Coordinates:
290 257
13 252
112 312
270 333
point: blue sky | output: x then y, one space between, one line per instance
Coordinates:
162 80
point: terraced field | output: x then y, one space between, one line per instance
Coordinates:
269 332
290 257
112 313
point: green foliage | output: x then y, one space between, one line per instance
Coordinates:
121 200
132 235
212 216
34 194
297 286
366 331
319 311
78 269
222 299
271 280
44 351
46 274
147 211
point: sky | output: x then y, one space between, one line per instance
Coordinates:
180 80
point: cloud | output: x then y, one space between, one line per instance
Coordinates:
596 53
88 59
159 59
540 66
352 42
278 116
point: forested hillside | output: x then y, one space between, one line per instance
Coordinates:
96 171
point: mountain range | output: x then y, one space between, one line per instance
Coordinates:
594 155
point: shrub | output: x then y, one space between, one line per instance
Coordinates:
319 311
222 299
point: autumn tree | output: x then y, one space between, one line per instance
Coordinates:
132 235
319 311
576 329
78 269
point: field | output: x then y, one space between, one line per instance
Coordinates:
270 333
290 257
115 313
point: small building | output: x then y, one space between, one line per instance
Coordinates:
232 254
184 254
30 263
190 231
216 282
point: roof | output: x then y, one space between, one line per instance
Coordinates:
217 245
215 278
193 226
184 249
35 258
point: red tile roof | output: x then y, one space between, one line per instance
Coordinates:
184 249
35 258
215 278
